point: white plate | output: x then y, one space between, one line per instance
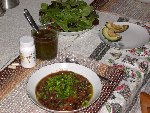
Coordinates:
135 36
44 71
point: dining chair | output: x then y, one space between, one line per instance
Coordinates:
145 102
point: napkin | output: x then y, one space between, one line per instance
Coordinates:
110 72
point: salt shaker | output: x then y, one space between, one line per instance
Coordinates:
27 52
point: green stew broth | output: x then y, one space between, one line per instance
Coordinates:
64 91
46 44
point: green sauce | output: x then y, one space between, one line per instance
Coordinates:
46 44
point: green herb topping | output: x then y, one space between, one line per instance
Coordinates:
62 85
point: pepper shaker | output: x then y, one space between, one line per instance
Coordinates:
2 10
27 52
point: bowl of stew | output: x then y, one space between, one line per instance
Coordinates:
64 87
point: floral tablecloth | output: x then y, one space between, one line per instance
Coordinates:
135 62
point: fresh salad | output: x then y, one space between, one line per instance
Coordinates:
68 15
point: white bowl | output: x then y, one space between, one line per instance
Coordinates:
44 71
74 33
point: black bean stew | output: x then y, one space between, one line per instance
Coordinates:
64 91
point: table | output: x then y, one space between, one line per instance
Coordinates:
129 8
119 101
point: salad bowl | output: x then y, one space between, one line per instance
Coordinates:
70 17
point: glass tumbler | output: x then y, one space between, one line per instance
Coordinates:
46 43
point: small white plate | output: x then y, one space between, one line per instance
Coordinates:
135 36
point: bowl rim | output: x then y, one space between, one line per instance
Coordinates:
71 33
55 111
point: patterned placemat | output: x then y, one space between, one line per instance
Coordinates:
11 77
129 8
107 89
99 3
